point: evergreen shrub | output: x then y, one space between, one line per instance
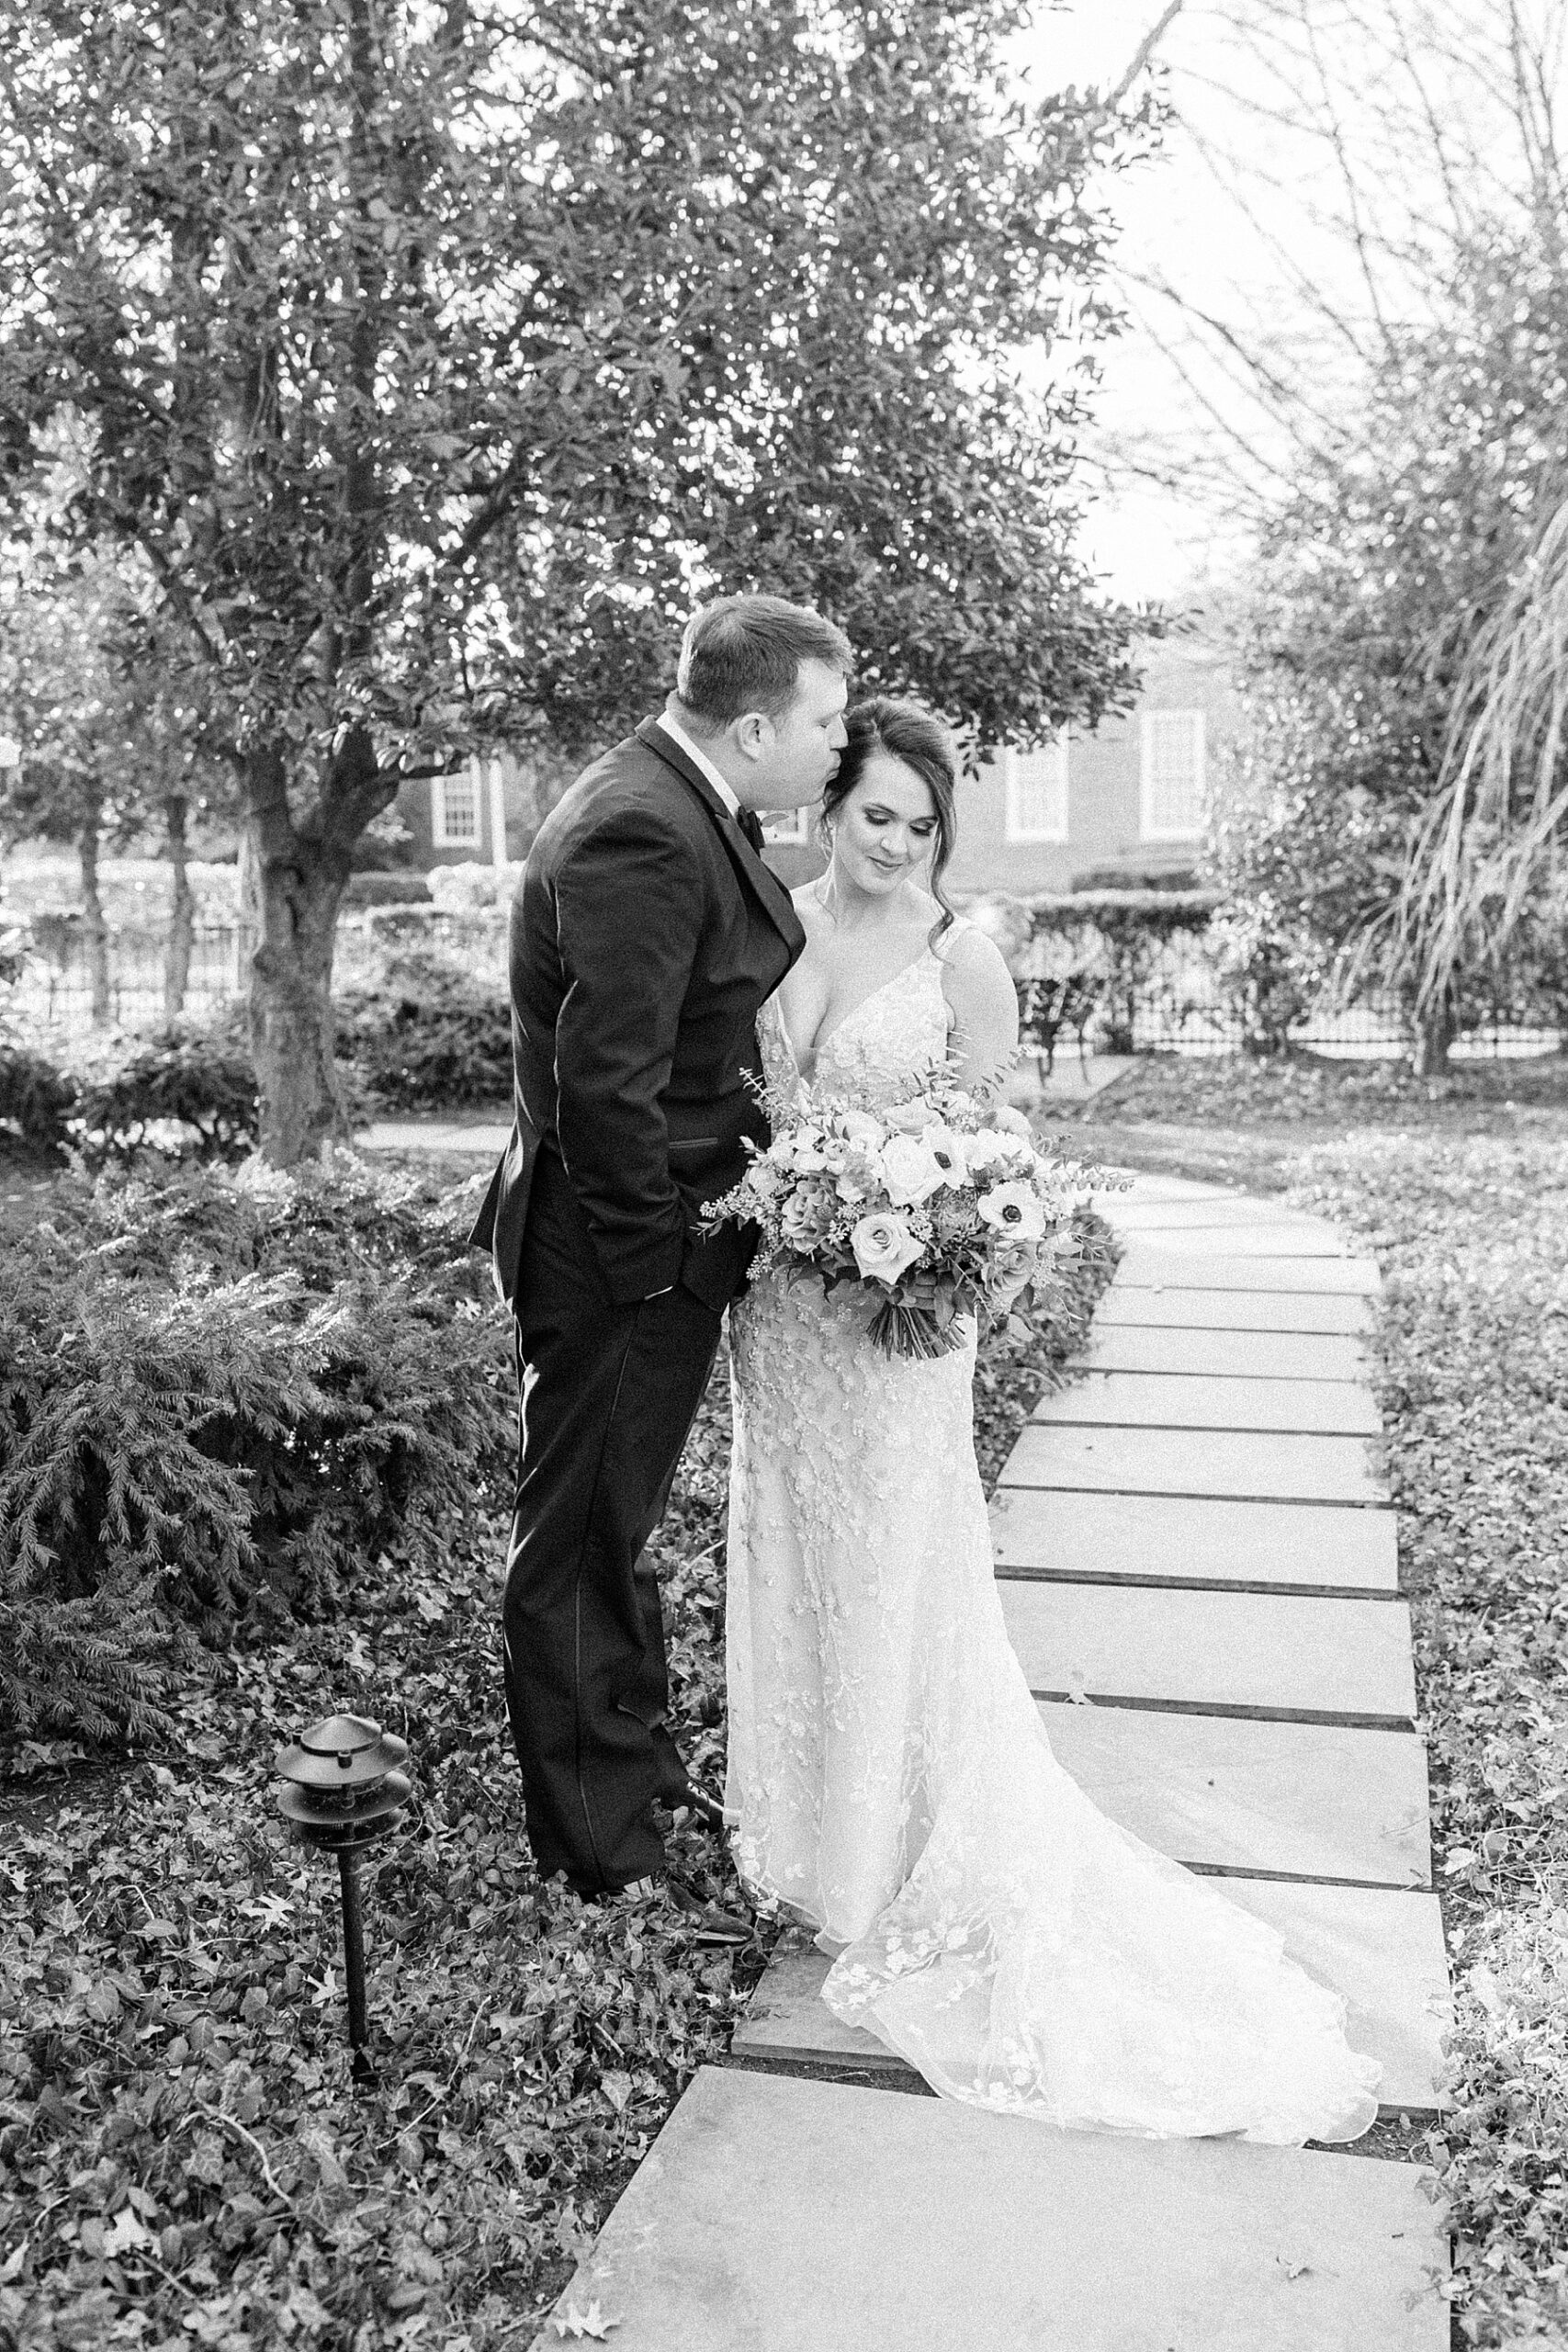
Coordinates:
188 1092
221 1399
36 1100
427 1035
1110 943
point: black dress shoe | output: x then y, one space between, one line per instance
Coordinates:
675 1789
707 1809
706 1923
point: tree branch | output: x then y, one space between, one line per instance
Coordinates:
1145 51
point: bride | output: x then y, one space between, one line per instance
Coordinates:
888 1770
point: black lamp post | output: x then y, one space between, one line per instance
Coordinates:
341 1790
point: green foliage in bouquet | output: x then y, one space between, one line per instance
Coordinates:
219 1401
428 1036
941 1206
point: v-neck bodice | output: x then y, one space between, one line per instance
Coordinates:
889 1037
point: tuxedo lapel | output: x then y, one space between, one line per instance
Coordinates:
759 876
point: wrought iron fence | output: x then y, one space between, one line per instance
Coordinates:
53 994
1173 1003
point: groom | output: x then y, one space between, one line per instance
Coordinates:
645 937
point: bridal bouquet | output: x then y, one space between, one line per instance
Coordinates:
938 1206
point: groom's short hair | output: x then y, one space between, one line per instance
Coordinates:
744 654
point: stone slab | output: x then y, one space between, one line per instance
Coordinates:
1277 1800
1144 1186
484 1138
1251 1355
1261 1466
1292 1241
787 2024
1381 1948
1173 1308
1212 1401
1161 1266
775 2213
1251 1653
1134 1212
1188 1540
1069 1081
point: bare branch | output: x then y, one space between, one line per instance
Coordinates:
1287 396
1352 194
1145 51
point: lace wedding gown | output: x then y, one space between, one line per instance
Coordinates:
891 1777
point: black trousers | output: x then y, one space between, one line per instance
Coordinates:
607 1394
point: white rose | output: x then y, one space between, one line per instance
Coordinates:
912 1118
908 1171
1005 1116
884 1246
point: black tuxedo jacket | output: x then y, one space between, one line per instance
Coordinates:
645 937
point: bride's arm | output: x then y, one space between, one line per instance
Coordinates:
984 1001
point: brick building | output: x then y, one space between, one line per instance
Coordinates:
1126 800
483 813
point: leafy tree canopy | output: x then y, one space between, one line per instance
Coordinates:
435 358
1373 582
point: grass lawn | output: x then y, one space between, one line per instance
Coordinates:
1460 1187
184 2158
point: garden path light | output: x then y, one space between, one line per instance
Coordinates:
342 1791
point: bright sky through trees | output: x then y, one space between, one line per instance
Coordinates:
1321 157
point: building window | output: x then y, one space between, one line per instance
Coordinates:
455 808
791 826
1036 788
1172 791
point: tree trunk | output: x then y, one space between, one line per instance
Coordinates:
95 927
1434 1035
182 911
301 881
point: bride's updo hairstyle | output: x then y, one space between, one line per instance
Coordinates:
920 742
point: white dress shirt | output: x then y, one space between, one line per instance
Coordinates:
699 759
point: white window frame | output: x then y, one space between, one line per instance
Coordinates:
496 788
789 828
1149 830
1015 828
441 832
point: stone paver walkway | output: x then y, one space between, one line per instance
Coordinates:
1199 1571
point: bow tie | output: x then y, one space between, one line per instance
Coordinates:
751 825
